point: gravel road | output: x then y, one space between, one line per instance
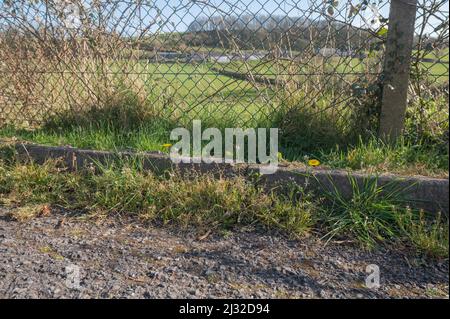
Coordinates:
63 256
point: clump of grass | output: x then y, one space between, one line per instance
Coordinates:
7 152
200 201
374 155
367 214
32 183
122 109
427 117
305 130
284 214
27 212
428 234
118 190
373 214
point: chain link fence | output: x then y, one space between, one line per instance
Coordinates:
227 62
428 95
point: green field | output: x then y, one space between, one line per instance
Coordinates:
335 67
191 89
442 55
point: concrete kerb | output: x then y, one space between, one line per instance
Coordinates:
431 194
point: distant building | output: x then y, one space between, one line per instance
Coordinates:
327 52
225 58
197 57
253 56
167 56
220 58
345 53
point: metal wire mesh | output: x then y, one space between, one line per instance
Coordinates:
431 56
429 93
230 61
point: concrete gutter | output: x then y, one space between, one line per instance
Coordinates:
431 194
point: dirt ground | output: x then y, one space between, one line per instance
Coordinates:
65 256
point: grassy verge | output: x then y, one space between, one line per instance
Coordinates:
403 157
369 155
218 204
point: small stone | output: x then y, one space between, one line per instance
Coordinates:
193 292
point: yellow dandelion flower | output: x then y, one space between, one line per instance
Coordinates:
313 162
167 145
280 156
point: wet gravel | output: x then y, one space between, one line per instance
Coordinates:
62 256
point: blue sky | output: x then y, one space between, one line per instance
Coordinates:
176 15
181 18
293 8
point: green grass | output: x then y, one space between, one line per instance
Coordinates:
375 214
205 203
372 156
191 82
427 235
303 137
339 66
370 214
442 54
200 201
375 156
149 137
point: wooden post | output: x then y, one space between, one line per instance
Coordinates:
399 46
